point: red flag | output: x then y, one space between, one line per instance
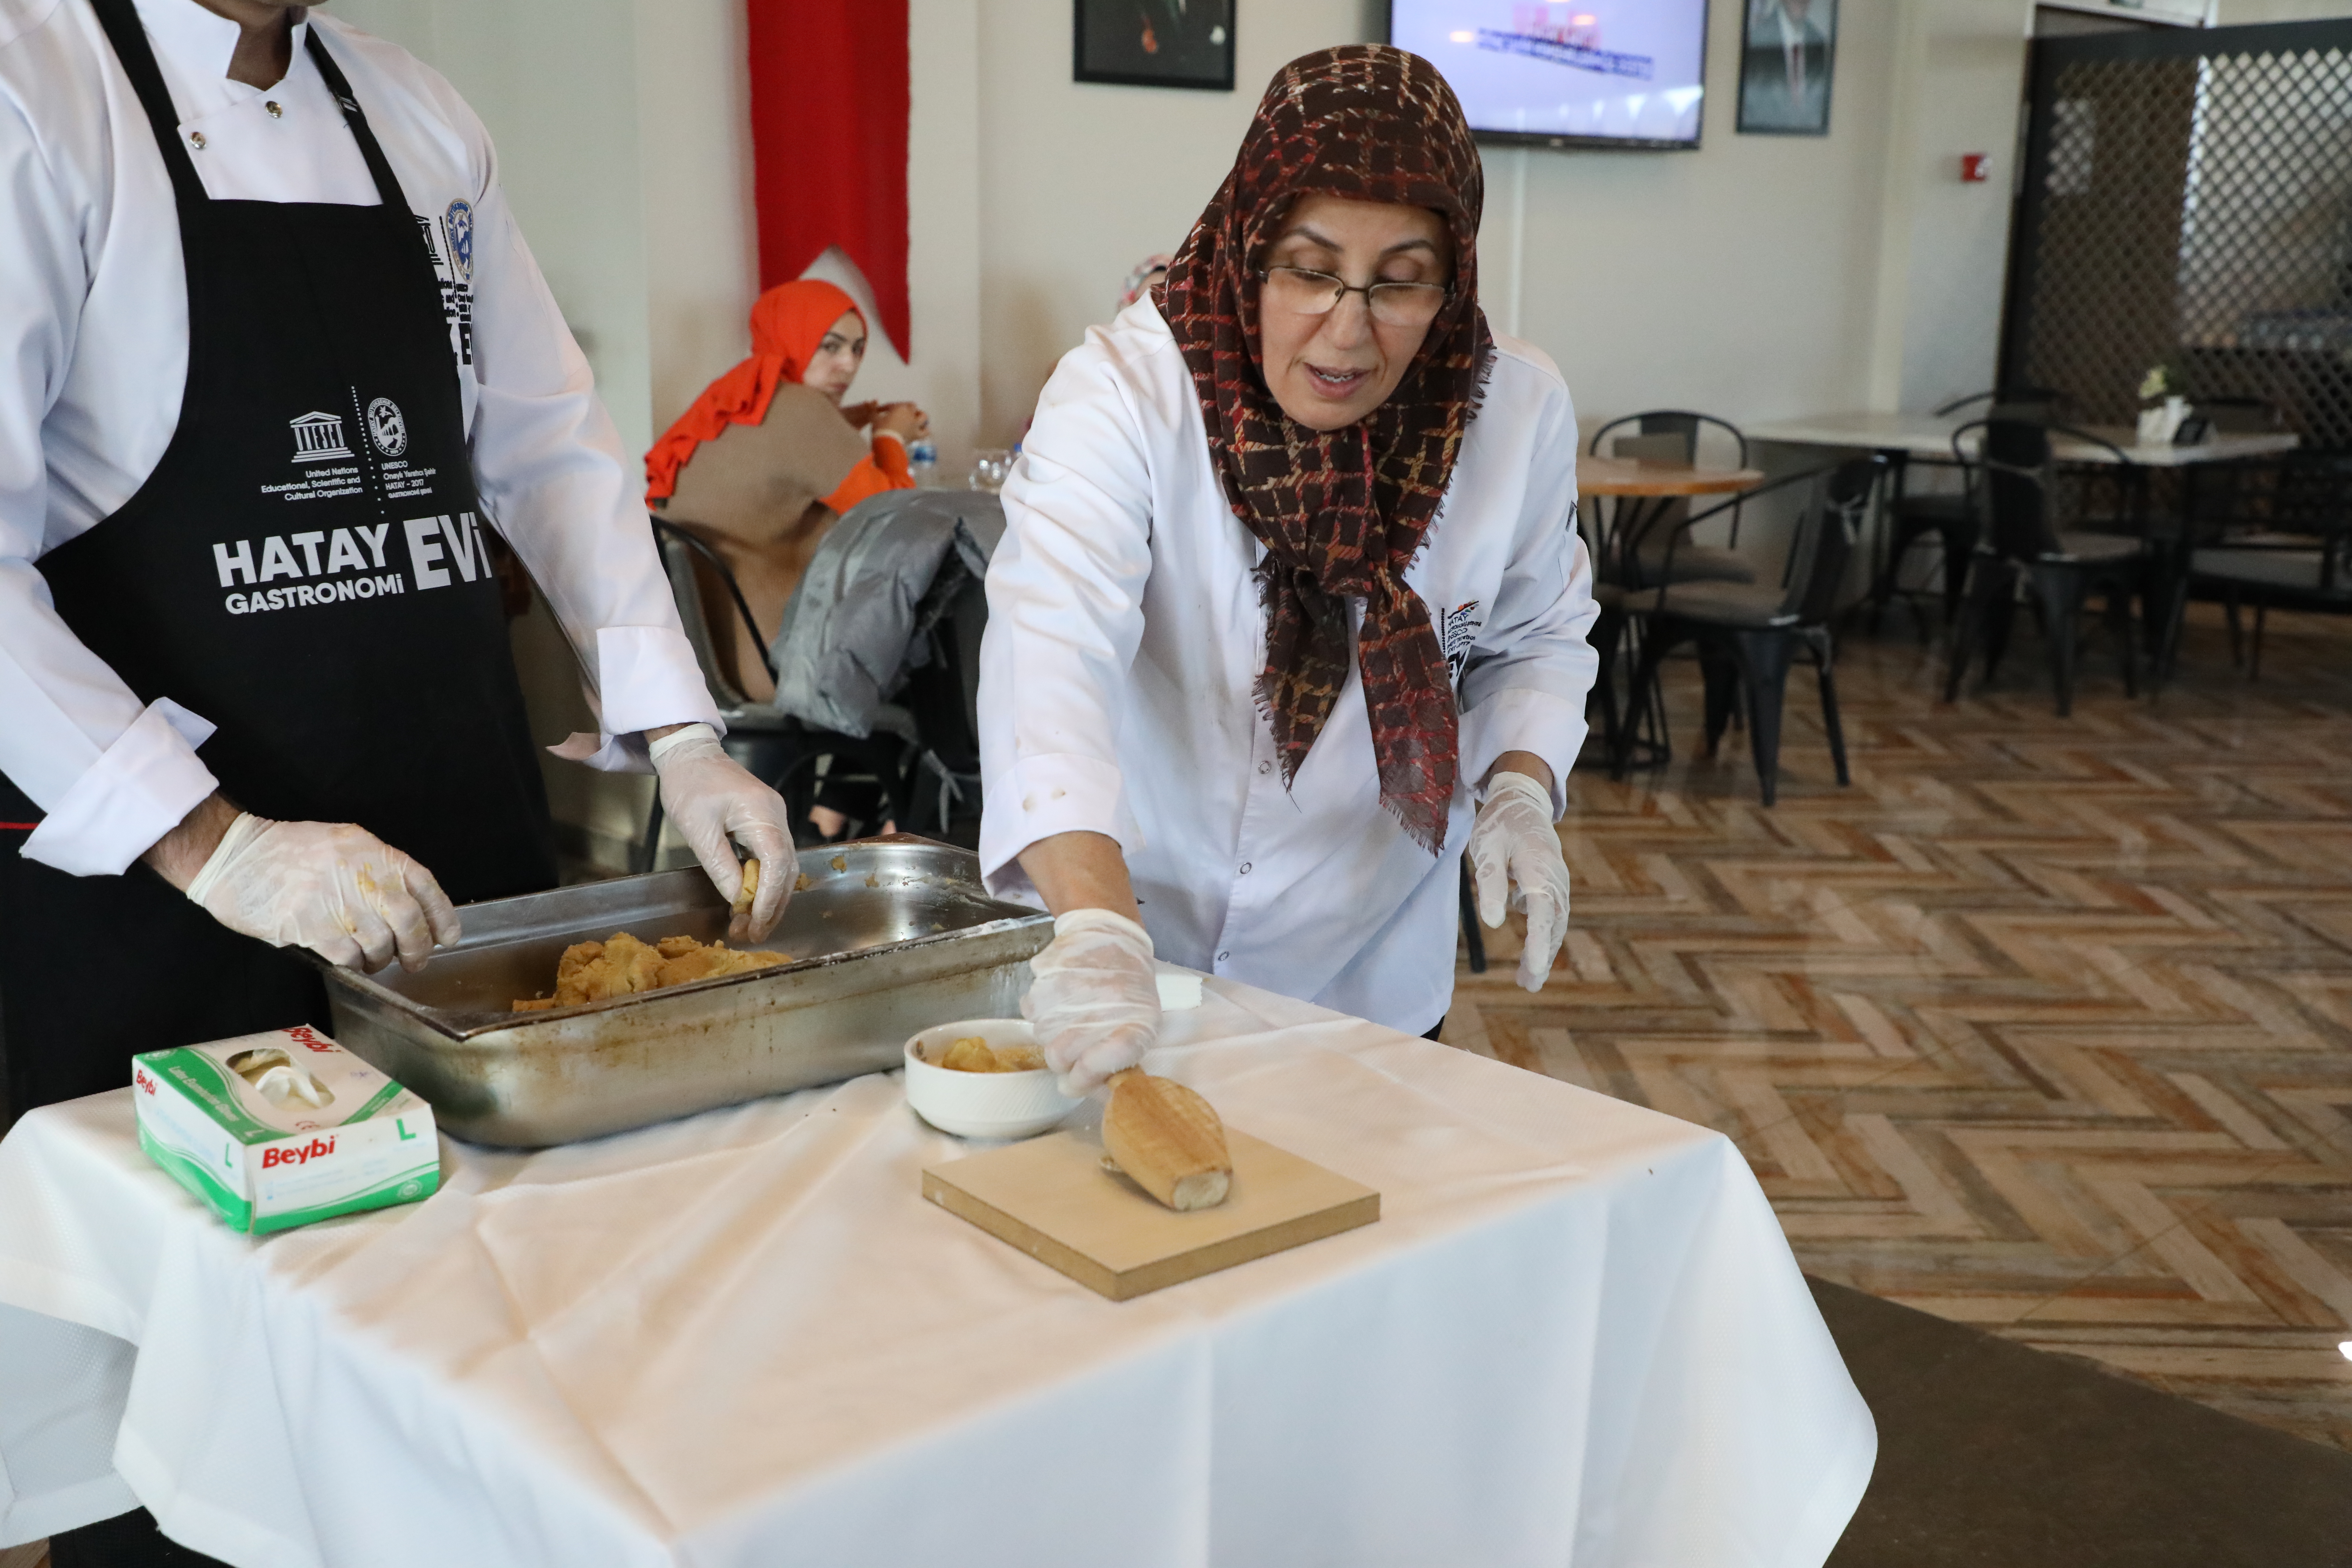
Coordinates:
829 103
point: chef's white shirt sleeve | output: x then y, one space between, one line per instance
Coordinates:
1064 616
1523 685
111 774
548 463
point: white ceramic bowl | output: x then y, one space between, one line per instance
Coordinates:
981 1104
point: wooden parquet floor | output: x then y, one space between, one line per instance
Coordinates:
2043 1025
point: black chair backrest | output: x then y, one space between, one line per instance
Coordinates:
1665 435
668 536
2013 465
1663 446
2015 440
1832 519
2016 478
2311 497
1687 423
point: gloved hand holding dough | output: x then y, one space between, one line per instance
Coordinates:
1514 834
711 798
1095 1001
331 886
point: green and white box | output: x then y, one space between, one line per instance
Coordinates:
282 1127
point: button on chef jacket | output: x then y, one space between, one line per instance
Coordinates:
93 356
1125 633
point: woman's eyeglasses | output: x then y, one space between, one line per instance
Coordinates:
1305 293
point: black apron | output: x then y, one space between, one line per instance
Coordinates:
307 568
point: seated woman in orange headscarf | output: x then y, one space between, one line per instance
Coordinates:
768 457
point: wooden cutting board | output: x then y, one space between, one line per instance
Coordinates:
1052 1198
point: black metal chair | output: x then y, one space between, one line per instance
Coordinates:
792 757
2288 546
2019 541
1950 518
1749 633
1629 552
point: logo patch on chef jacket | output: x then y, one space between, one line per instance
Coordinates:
1457 631
460 221
387 428
319 434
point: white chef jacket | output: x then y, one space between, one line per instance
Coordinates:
93 360
1125 633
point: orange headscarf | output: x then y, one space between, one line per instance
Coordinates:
787 325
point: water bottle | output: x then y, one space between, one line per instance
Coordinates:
923 460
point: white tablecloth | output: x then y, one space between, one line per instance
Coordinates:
1576 1335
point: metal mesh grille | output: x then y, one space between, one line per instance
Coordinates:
2194 209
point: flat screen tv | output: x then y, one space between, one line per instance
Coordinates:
1589 73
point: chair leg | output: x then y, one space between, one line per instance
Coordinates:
1721 674
2176 617
2001 615
2237 629
2119 620
1976 602
2261 617
1655 639
1472 936
1824 659
1608 638
2058 590
1959 545
1764 659
1890 574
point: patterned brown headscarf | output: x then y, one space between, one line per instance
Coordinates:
1342 512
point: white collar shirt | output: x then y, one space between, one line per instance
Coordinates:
93 360
1125 633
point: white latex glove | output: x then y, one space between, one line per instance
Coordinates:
1514 834
331 886
1096 998
711 798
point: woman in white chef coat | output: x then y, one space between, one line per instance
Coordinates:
275 360
1289 592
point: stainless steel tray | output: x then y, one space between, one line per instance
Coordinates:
891 936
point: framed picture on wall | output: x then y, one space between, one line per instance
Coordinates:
1788 53
1155 43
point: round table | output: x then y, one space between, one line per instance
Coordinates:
1598 476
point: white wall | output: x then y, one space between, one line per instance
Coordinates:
1081 181
556 83
1737 279
1960 71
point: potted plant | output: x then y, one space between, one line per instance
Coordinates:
2163 404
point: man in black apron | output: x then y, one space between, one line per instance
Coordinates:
363 746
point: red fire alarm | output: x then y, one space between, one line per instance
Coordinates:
1976 167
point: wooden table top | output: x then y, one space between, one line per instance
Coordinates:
1642 477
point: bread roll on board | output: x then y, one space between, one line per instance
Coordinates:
1167 1141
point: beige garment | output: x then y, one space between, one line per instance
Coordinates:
755 494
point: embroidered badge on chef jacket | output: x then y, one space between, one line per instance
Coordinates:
460 221
386 427
1457 632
